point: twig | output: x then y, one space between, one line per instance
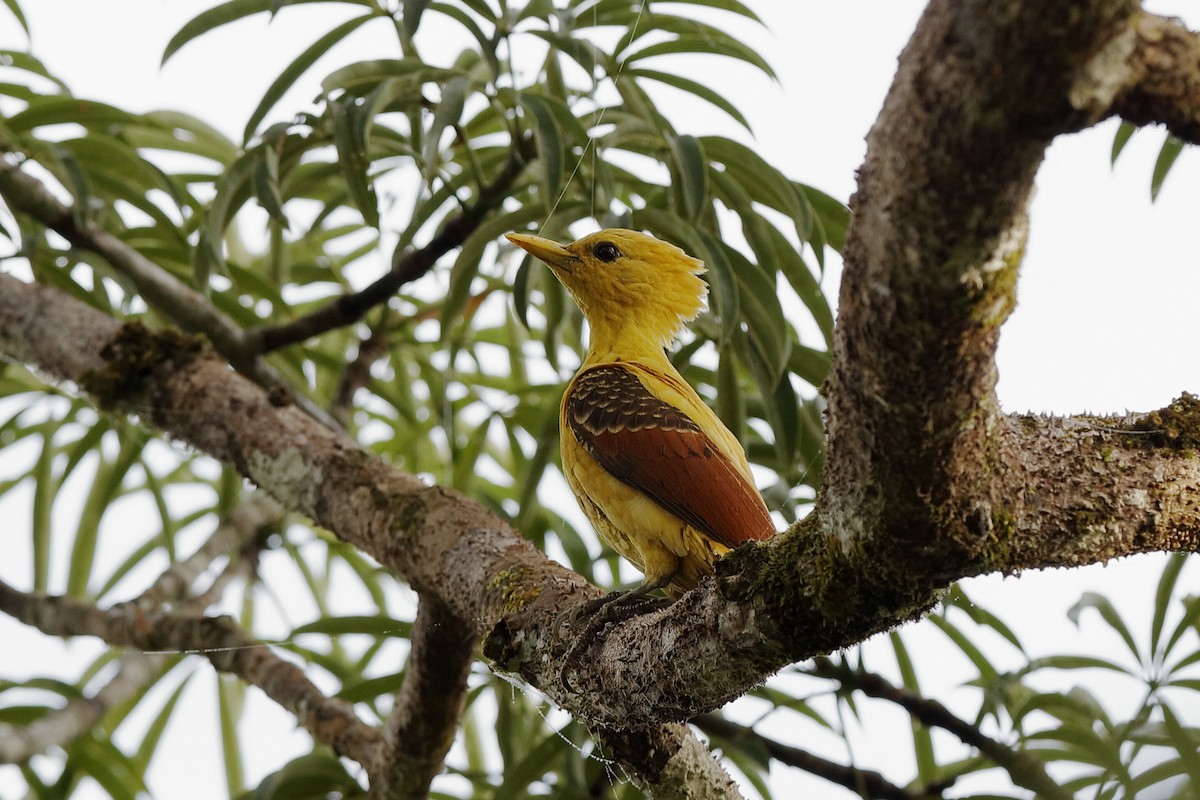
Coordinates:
357 373
1025 770
350 308
424 721
244 522
866 783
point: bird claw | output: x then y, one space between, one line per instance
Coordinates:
599 612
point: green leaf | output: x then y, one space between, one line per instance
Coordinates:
380 625
1121 138
230 696
1187 743
832 218
731 401
351 144
45 491
226 13
446 115
1170 151
148 745
1109 614
1073 662
411 16
535 762
298 67
763 315
55 110
810 364
180 132
105 486
1191 614
722 282
15 8
466 266
717 44
691 174
692 87
550 146
232 192
957 598
772 247
315 776
112 769
986 670
927 766
353 77
762 181
1162 598
15 59
581 51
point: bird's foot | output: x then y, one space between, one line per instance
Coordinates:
612 608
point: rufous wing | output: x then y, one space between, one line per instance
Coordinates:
656 448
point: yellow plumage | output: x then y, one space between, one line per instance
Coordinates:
658 474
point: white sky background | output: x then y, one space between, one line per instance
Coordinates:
1106 319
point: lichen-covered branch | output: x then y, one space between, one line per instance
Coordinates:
669 761
1166 85
425 718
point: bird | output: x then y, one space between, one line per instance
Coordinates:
656 472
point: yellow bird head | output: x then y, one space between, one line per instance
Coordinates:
625 280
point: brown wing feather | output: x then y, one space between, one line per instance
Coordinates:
654 447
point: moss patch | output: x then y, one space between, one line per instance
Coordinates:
515 588
1177 426
133 356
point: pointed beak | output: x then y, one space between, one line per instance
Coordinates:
553 253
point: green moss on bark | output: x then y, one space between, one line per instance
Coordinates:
133 356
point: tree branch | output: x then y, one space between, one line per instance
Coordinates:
669 761
135 670
222 642
58 728
350 308
425 718
357 373
797 596
177 301
1025 770
238 527
864 783
1166 87
437 540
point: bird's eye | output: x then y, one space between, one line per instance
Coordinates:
606 252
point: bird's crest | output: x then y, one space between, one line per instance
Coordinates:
625 280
